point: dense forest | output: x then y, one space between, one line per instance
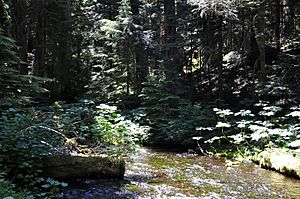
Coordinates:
214 76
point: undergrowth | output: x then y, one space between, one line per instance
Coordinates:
27 135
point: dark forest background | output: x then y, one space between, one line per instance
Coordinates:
180 67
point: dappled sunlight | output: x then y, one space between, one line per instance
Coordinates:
85 85
162 174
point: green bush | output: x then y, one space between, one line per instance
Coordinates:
182 127
16 89
8 190
29 134
173 118
243 130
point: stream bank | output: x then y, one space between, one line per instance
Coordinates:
280 160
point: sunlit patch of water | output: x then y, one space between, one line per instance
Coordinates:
157 174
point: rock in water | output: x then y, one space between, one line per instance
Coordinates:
66 166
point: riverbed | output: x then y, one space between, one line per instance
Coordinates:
154 173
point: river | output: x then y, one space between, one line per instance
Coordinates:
161 174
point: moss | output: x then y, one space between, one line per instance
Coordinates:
279 160
131 187
65 166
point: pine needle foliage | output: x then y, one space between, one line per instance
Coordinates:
15 89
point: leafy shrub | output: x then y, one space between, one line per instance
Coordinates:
161 102
112 129
8 190
182 128
29 134
22 143
270 127
172 118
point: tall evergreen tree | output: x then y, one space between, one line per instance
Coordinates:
170 52
39 27
19 12
59 33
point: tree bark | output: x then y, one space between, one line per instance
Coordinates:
219 56
63 68
288 17
60 48
259 28
171 56
39 18
20 32
140 58
277 26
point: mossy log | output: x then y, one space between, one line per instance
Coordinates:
66 166
279 160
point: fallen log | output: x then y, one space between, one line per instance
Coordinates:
67 166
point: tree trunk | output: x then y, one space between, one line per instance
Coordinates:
59 33
39 18
140 58
218 58
171 56
259 28
288 17
63 68
20 32
213 57
277 26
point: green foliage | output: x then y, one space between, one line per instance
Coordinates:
7 53
282 85
23 143
20 90
270 127
8 190
112 129
108 76
182 128
27 135
172 118
160 104
113 50
224 8
101 125
4 14
16 89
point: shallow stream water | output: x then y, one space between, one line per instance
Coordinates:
159 174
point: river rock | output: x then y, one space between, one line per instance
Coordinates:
67 166
280 160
